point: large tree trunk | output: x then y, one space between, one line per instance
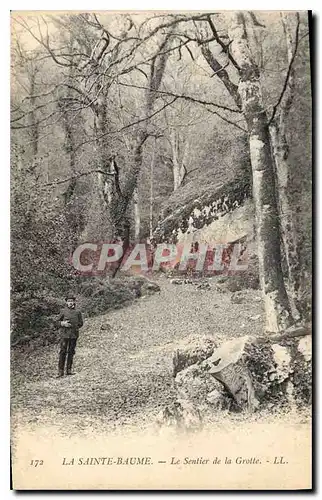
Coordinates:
221 73
277 307
69 147
121 200
151 193
137 217
118 200
73 218
34 127
114 200
108 176
178 167
283 168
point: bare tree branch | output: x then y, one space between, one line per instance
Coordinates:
15 127
181 96
255 20
26 113
226 120
224 47
156 30
77 176
42 42
220 71
129 125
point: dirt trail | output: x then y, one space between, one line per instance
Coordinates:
124 371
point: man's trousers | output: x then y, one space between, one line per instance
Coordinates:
67 348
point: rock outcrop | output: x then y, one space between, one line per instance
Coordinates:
224 213
245 374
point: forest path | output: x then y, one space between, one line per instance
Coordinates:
123 361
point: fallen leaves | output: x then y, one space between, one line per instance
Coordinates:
123 360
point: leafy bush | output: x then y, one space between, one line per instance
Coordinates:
34 314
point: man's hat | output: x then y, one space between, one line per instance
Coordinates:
70 297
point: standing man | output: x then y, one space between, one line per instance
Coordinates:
70 320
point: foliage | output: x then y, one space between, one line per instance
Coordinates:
85 87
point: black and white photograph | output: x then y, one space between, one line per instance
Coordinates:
161 250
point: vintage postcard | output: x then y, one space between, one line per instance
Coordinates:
161 262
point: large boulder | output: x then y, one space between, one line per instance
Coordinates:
192 350
255 372
195 383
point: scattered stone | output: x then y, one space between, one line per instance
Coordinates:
181 415
222 279
255 318
237 298
106 327
204 286
150 287
176 281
